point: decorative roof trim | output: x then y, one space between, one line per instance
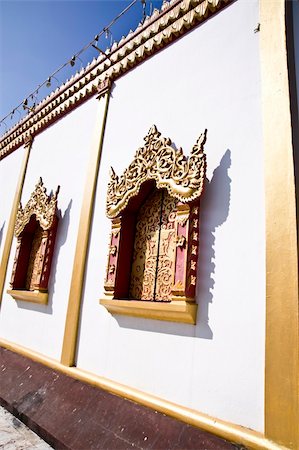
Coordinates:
174 19
158 160
43 206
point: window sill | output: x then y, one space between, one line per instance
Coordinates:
29 296
175 311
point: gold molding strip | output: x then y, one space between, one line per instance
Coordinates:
234 433
74 302
163 27
175 311
282 327
29 296
13 215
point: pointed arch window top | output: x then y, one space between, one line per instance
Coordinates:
43 206
158 160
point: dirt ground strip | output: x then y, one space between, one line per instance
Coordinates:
14 435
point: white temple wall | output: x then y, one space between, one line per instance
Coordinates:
295 6
210 79
9 176
60 156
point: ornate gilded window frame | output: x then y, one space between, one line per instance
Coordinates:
160 163
40 210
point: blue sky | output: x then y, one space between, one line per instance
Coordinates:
36 37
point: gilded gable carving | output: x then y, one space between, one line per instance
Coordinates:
43 206
158 160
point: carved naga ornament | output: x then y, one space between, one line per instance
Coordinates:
158 160
43 206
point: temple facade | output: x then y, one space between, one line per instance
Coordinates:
148 221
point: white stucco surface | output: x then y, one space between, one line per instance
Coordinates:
295 6
60 156
9 176
210 79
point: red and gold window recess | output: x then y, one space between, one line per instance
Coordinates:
33 257
35 229
121 247
154 249
154 210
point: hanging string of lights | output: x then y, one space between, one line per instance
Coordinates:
94 44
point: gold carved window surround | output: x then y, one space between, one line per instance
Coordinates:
154 243
35 230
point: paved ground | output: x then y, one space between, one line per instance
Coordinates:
14 435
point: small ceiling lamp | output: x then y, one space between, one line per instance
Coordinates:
50 79
25 106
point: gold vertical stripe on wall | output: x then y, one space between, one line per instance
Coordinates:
74 303
282 327
12 219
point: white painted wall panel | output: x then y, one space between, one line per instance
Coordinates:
59 155
210 79
9 176
295 6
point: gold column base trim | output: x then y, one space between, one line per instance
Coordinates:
233 433
180 311
29 296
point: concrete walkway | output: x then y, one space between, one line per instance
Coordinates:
14 435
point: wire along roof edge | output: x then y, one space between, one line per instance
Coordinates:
175 18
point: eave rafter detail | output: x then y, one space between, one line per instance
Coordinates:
43 206
174 19
158 160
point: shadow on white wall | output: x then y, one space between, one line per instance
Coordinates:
214 211
1 233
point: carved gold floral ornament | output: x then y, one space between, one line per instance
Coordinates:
180 241
41 205
158 160
112 269
113 250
